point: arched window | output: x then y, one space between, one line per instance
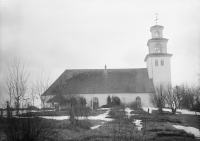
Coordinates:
95 99
138 98
138 102
162 62
95 104
156 62
157 33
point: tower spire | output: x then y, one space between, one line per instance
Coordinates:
156 18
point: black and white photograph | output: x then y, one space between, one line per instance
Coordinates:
100 70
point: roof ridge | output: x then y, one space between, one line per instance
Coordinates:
107 69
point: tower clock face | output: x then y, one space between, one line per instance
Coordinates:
158 48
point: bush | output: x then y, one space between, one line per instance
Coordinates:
78 111
84 124
112 113
116 112
82 111
29 128
135 106
116 101
109 103
105 106
196 107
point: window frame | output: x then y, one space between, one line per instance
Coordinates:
156 62
162 62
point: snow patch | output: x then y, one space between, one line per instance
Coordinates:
192 130
95 127
138 124
99 117
56 117
182 111
128 110
148 108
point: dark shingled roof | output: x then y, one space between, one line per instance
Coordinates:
98 81
59 99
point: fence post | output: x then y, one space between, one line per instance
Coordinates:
8 109
1 112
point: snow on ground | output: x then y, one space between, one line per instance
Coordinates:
148 108
99 117
95 127
128 110
192 130
182 111
138 124
55 117
104 109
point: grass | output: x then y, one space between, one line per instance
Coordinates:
158 127
61 113
97 112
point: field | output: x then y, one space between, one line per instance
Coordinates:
119 125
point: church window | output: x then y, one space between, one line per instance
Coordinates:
95 99
138 102
162 62
157 33
156 62
95 103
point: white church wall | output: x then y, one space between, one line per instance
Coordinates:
160 74
125 97
46 98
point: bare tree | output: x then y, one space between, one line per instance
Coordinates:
33 95
29 129
197 93
197 97
41 85
173 97
158 98
9 88
17 81
190 91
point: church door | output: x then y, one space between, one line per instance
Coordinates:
138 101
95 103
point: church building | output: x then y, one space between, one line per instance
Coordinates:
95 85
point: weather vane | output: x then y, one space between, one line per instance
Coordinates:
156 18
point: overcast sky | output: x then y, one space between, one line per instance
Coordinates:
52 36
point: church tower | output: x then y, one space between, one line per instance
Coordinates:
158 60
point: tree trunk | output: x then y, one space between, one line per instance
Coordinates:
173 111
8 110
161 110
17 107
72 115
